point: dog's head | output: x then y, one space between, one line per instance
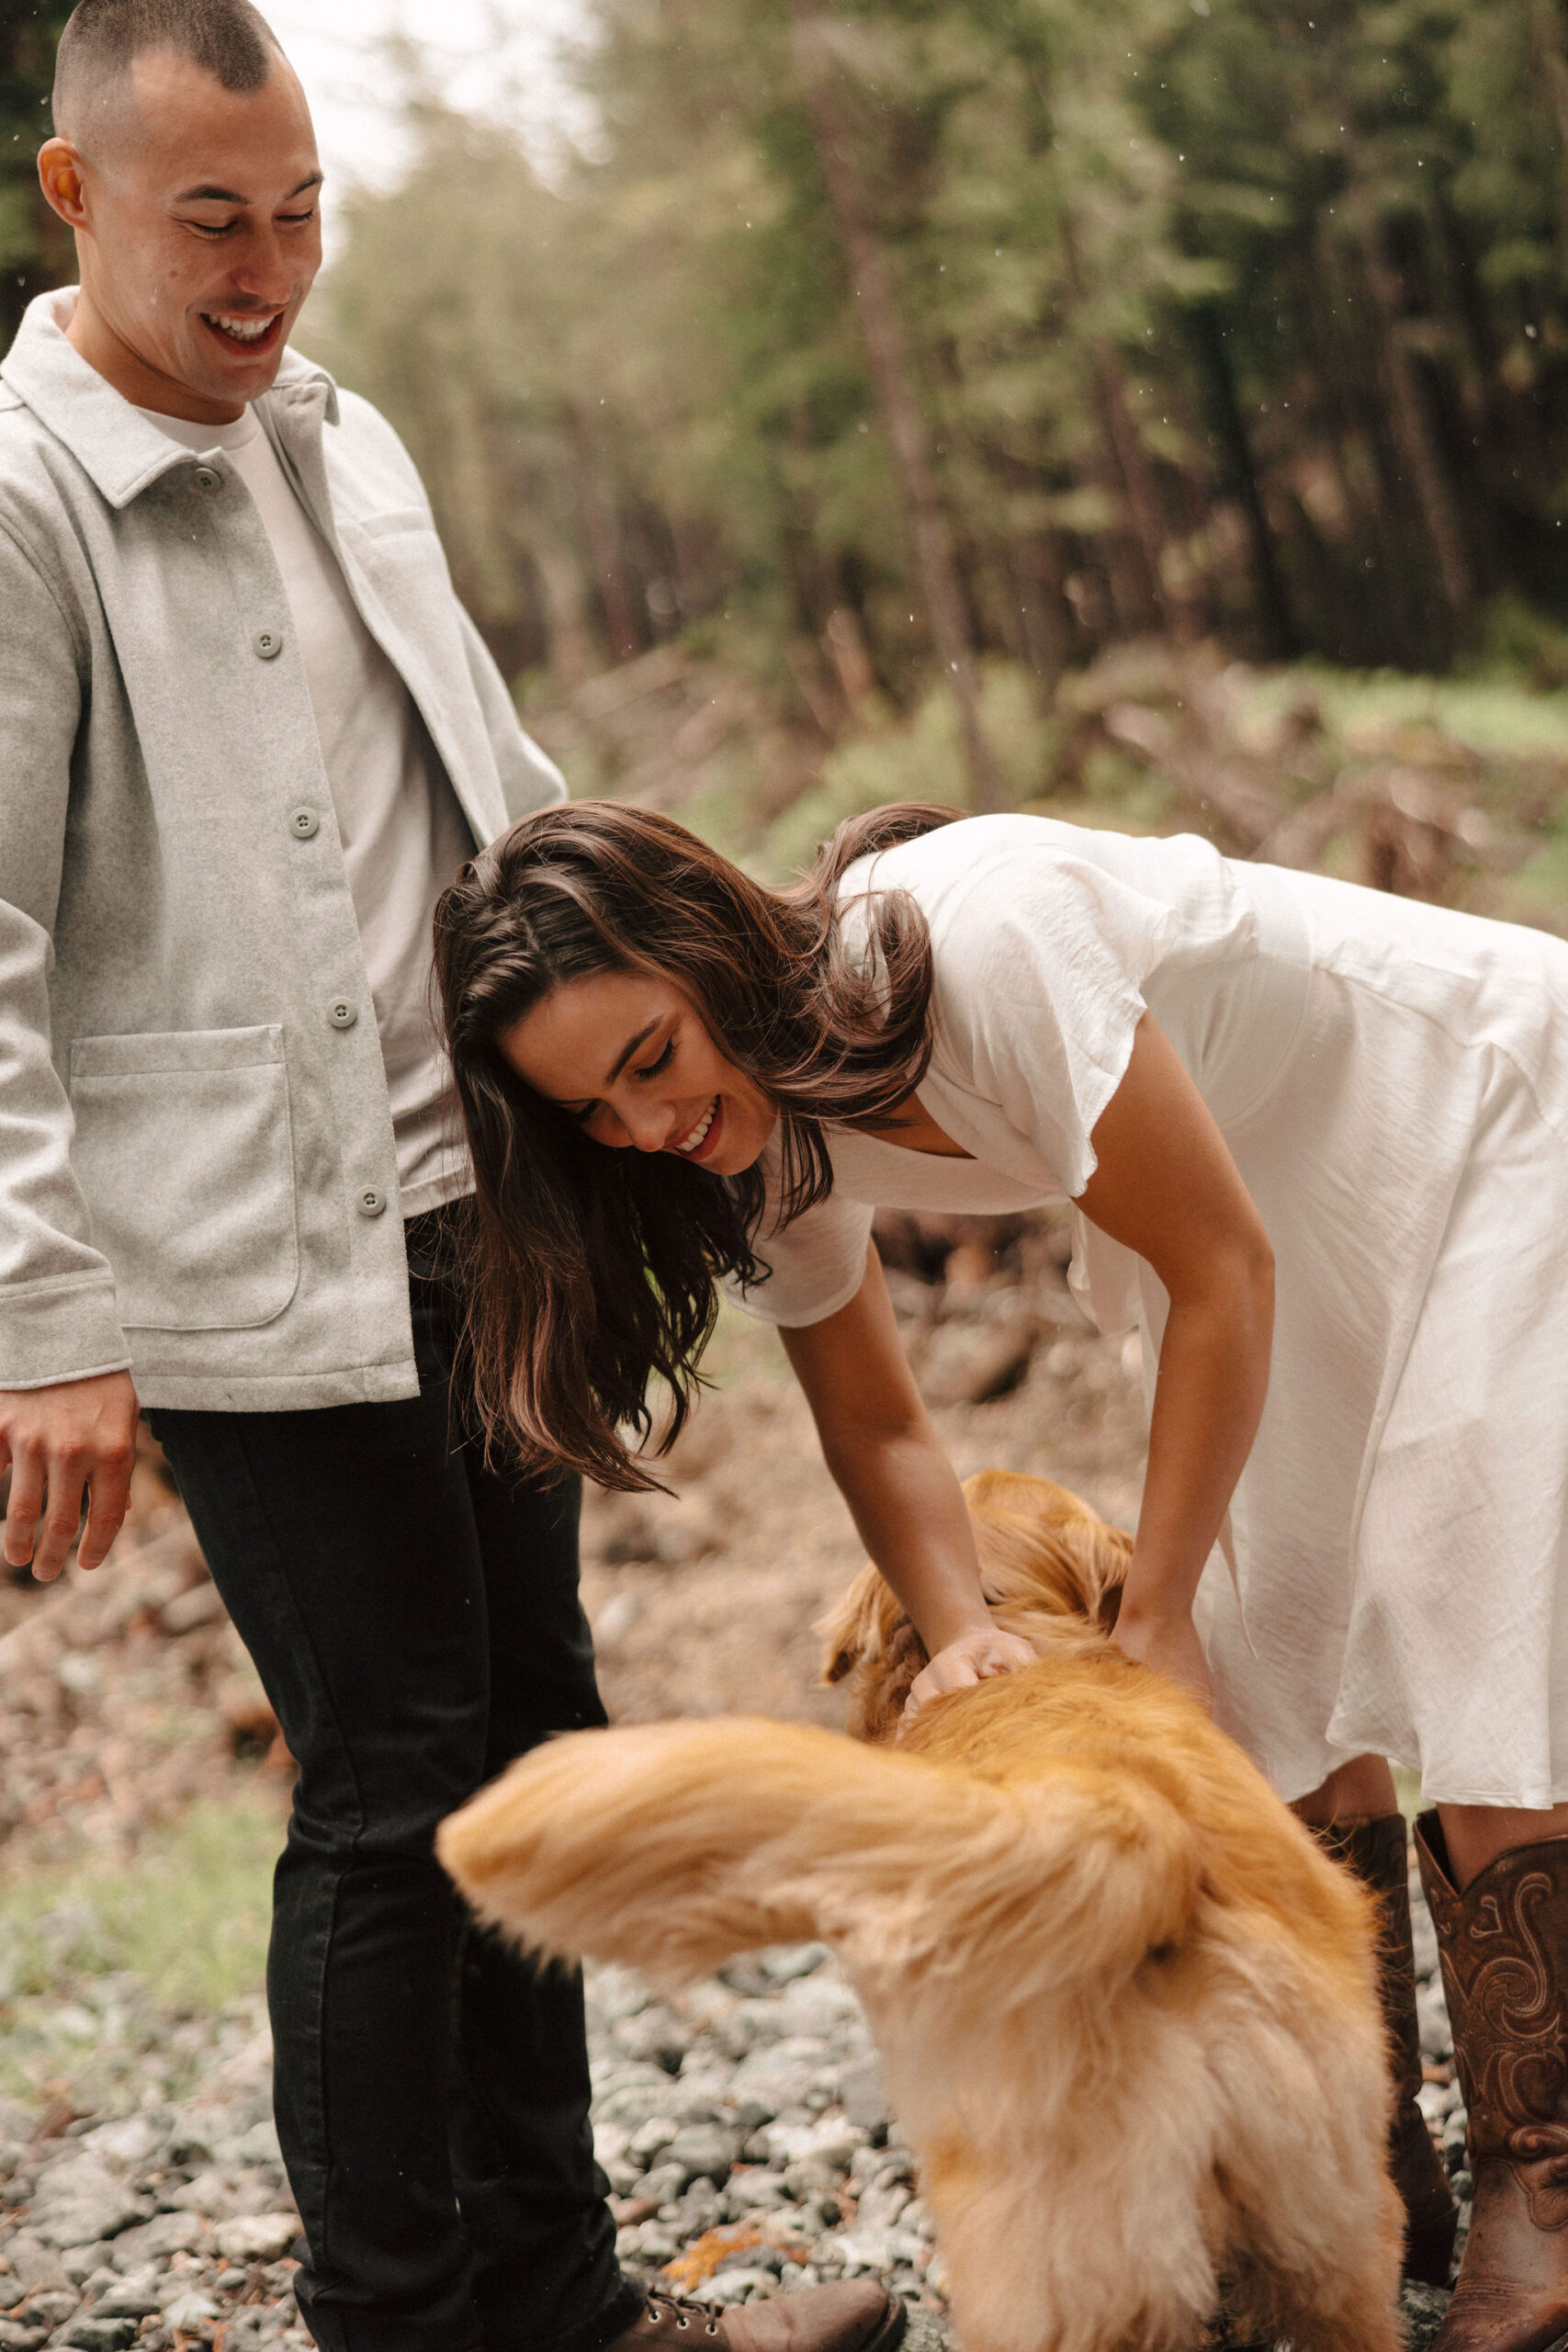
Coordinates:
1052 1569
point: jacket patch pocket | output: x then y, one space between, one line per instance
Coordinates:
184 1153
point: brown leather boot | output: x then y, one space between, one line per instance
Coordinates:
856 2316
1503 1944
1375 1851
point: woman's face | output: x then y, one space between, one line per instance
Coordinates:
628 1056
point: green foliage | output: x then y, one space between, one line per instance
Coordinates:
1220 316
35 252
922 759
96 1960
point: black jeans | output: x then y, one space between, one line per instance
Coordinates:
416 1621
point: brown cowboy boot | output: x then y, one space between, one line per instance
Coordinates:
1503 1944
1376 1853
856 2316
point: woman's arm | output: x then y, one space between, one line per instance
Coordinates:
900 1487
1166 1186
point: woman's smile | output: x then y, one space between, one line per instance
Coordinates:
703 1135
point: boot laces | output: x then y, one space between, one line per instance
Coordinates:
683 2311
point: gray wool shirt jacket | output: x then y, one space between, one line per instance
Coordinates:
198 1177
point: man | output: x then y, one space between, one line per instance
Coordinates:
246 735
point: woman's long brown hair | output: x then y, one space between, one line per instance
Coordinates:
595 1272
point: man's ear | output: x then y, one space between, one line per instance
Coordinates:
60 178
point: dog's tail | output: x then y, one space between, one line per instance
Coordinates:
673 1845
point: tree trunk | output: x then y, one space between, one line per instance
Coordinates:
1417 441
1134 472
601 533
1551 55
901 418
1409 415
1241 476
1043 608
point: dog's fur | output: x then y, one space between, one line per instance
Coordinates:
1126 2008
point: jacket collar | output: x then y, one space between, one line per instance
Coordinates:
115 445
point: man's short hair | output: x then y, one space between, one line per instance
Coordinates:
103 39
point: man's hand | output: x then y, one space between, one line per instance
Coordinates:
974 1657
57 1441
1168 1643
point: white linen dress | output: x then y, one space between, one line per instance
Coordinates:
1392 1080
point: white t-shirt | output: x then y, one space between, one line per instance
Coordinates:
403 833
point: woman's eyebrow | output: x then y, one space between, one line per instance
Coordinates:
628 1049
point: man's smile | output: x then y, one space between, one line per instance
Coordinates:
242 329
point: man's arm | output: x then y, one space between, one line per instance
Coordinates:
67 1405
528 779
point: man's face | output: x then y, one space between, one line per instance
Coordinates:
198 227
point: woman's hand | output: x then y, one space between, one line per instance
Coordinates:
1169 1643
974 1656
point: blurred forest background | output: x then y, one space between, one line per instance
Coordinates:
1113 408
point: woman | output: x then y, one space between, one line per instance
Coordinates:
1248 1082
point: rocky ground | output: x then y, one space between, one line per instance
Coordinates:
742 2126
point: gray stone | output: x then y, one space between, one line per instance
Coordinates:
832 2142
257 2237
83 2220
865 2100
1423 2307
94 2334
80 2261
648 2242
33 2263
130 2139
1436 2039
704 2151
880 2206
753 2190
634 2104
662 2182
152 2240
739 2286
785 2073
188 2308
810 2181
615 1992
787 1961
137 2297
259 2146
699 2208
21 2336
655 2034
821 2005
53 2307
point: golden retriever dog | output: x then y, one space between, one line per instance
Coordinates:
1126 2008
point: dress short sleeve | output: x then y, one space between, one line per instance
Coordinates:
1040 963
817 1264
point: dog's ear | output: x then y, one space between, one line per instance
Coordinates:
1041 1548
856 1630
883 1707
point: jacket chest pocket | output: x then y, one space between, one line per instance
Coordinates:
184 1151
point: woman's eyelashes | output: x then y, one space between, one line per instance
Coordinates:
656 1068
